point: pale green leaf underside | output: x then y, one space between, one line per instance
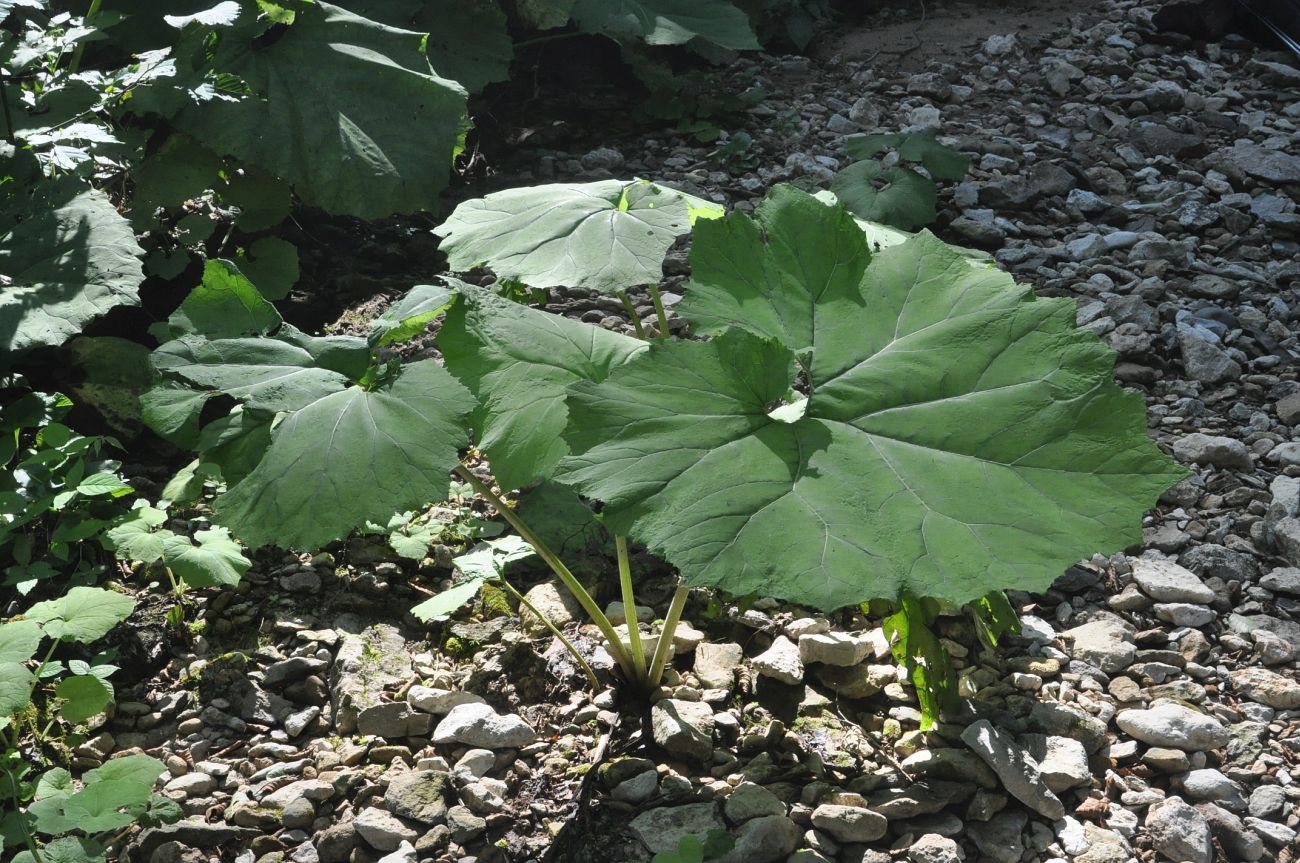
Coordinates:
313 117
608 236
66 256
448 601
351 457
409 316
961 436
518 362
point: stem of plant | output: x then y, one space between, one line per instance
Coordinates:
557 566
27 834
664 648
555 630
659 311
81 46
9 120
631 313
629 608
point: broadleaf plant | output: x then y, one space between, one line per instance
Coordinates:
957 435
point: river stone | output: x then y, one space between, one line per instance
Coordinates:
1216 450
420 795
661 829
1106 643
749 801
382 830
849 823
367 662
1267 687
1276 166
683 728
1016 768
998 839
1179 832
1166 581
766 839
1173 725
780 662
1283 580
480 726
1062 761
716 664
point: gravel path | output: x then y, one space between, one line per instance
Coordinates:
1149 710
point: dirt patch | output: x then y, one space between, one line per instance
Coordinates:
918 31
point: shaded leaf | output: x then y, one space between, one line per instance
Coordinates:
907 200
351 457
84 696
518 362
66 254
272 265
313 117
668 22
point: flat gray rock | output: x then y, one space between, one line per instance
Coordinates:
1015 767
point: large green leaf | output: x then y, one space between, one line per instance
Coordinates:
351 457
214 559
83 614
112 797
66 849
468 42
225 305
960 435
84 696
669 22
942 162
518 362
905 200
15 688
346 109
272 374
66 256
19 640
610 235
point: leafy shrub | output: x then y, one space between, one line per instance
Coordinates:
70 817
900 424
57 492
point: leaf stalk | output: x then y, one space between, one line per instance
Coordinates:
631 313
557 566
555 630
666 634
629 609
660 312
